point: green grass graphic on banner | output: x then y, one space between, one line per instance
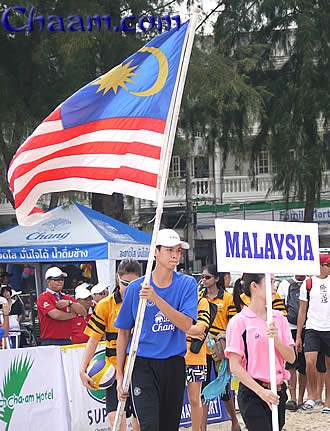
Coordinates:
12 386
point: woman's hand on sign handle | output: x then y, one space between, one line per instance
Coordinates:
272 331
287 352
268 396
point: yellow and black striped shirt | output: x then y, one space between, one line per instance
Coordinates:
102 320
203 318
226 309
278 303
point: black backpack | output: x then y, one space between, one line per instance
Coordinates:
292 300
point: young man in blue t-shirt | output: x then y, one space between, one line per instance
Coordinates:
158 379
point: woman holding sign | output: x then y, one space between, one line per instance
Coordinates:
247 350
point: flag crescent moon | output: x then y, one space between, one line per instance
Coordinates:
162 75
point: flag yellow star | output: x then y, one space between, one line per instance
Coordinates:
117 77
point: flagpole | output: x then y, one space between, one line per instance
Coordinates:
271 349
169 137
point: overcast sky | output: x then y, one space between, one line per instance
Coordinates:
208 6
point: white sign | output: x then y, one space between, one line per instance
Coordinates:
135 251
88 410
267 247
32 390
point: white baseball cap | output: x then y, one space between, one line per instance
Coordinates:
169 238
98 288
83 293
54 272
82 286
14 293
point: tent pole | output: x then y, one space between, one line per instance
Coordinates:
38 278
169 137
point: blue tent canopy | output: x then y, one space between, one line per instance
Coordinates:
73 233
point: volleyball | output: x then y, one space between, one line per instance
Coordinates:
102 372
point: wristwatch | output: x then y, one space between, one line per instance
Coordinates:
70 302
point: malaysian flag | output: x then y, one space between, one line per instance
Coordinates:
107 137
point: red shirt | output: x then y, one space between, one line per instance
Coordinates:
79 324
51 328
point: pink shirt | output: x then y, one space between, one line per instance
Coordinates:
257 343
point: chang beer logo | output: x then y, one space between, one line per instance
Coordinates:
12 385
162 323
99 394
51 230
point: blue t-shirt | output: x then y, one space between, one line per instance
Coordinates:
160 339
2 331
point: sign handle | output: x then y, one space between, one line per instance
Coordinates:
271 347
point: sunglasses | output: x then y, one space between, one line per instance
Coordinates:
326 264
206 277
57 278
123 282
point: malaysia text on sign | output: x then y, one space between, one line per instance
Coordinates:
264 246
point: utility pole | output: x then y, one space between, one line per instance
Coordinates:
189 230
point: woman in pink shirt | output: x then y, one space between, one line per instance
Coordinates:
247 350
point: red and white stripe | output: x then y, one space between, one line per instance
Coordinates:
113 155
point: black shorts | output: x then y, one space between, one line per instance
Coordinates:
111 401
320 363
157 391
209 361
255 412
317 341
300 362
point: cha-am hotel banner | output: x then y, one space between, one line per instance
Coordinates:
32 390
267 247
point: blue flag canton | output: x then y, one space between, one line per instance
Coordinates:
141 86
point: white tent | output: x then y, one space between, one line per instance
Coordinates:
75 233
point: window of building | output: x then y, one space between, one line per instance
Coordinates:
263 163
175 167
201 166
199 134
178 167
183 167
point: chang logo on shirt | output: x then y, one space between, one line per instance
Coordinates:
46 304
162 323
220 305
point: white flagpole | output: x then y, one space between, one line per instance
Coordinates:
271 347
169 137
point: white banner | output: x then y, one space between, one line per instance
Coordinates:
267 247
32 390
88 409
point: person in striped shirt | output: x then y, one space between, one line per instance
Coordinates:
196 366
100 323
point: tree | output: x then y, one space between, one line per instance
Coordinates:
43 68
294 116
